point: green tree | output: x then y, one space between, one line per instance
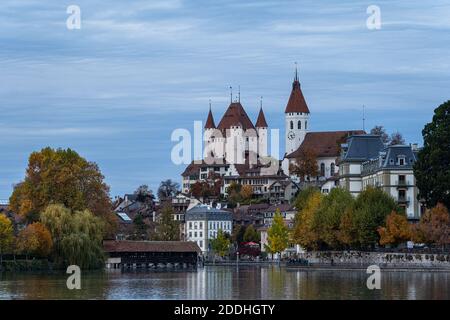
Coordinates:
139 228
302 198
372 206
278 234
237 236
167 228
6 235
432 168
251 235
221 244
77 236
327 220
62 176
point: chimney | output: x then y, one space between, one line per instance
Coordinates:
414 147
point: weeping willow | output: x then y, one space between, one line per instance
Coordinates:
77 236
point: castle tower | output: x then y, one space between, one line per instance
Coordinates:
296 117
261 129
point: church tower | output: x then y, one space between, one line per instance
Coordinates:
262 128
296 117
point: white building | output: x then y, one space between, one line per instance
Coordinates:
392 171
357 150
203 222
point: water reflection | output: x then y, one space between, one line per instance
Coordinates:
226 283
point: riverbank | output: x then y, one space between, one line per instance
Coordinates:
357 260
26 265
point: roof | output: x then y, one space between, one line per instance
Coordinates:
283 208
261 121
235 116
296 101
203 212
210 121
388 159
324 144
362 147
150 246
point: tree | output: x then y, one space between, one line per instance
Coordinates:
278 234
432 168
327 219
62 176
348 233
139 228
167 228
196 189
246 192
302 198
167 189
144 194
434 226
6 235
221 244
35 240
397 230
372 206
237 236
305 231
380 131
305 165
251 235
396 138
77 236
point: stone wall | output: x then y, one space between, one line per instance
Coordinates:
382 259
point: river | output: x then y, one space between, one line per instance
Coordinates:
228 283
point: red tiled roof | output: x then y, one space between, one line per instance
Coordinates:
235 116
261 121
324 144
150 246
210 121
296 101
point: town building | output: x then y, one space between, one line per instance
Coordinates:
203 222
357 150
392 171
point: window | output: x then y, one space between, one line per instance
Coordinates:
195 234
201 244
190 225
190 234
299 125
306 125
201 225
332 168
322 169
200 234
292 125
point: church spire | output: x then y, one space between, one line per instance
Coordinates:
261 121
210 120
296 103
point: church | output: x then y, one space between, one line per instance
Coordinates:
236 146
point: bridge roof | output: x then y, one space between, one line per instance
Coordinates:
150 246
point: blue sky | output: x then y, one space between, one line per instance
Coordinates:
136 70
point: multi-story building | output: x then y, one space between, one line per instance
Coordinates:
357 150
392 171
203 222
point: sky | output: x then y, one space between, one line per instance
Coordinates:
115 89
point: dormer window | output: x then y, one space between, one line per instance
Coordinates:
401 160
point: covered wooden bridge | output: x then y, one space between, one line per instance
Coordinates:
151 254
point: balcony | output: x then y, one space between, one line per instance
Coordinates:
402 183
403 200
